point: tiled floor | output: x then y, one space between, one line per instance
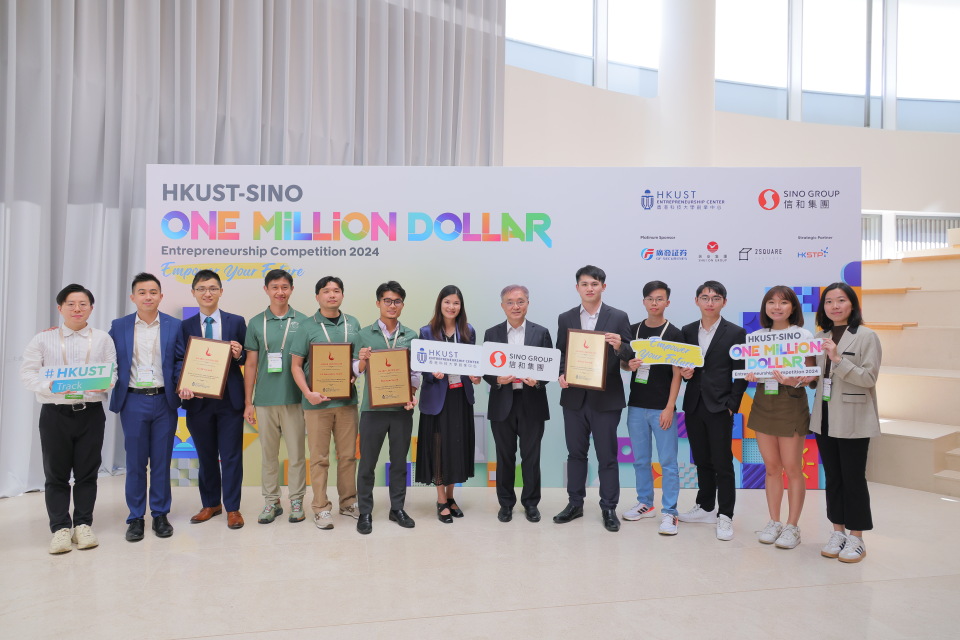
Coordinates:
479 578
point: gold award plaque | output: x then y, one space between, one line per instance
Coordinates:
388 378
205 366
330 370
586 359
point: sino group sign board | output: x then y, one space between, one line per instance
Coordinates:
484 228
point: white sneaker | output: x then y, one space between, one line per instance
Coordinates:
668 525
789 538
638 511
352 511
60 542
323 520
697 514
84 537
724 528
770 533
838 539
854 550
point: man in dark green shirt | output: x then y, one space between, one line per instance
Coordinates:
377 423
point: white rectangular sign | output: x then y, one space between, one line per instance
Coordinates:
446 357
521 361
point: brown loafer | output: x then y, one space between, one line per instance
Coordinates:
206 513
234 519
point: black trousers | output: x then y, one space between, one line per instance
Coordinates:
506 433
845 470
375 426
217 431
710 436
579 425
71 441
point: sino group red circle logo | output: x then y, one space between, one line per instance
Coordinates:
769 199
498 358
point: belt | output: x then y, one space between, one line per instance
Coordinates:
145 391
74 407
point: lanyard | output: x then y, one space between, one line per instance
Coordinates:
266 345
661 333
346 329
63 346
395 338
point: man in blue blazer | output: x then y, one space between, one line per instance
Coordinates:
517 408
592 412
145 396
217 425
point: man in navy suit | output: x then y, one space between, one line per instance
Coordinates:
217 425
517 408
709 402
145 396
593 412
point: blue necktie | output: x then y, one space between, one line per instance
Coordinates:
208 331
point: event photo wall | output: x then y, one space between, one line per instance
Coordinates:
482 228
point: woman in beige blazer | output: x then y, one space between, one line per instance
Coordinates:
845 417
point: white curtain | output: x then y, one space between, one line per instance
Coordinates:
92 91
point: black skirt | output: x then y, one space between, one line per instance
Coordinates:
445 442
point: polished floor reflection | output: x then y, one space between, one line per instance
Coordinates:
478 577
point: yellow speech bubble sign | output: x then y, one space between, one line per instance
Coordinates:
654 351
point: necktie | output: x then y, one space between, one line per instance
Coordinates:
208 330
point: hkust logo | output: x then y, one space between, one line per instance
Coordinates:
422 356
646 200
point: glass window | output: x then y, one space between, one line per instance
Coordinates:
928 49
633 32
834 46
564 25
752 42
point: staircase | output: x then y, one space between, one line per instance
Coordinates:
914 305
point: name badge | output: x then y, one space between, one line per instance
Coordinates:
827 383
454 381
145 377
643 374
275 362
517 385
771 387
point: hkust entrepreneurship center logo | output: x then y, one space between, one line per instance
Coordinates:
679 200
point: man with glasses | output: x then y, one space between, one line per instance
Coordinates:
71 422
517 408
378 423
217 425
709 402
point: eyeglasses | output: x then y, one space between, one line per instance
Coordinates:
514 303
713 299
392 302
81 306
657 300
203 290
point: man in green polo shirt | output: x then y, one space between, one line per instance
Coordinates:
272 397
377 424
325 417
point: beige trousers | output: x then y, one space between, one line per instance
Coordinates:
341 423
272 422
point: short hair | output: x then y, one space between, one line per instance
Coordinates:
277 274
143 276
713 285
785 292
325 280
653 285
856 316
205 274
73 288
392 286
592 272
511 287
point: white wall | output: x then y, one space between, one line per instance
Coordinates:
553 122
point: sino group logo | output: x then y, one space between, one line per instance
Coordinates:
769 199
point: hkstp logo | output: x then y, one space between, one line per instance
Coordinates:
769 199
814 254
646 254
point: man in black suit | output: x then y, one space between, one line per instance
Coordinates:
217 425
589 411
709 402
517 408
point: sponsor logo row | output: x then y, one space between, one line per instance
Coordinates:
713 252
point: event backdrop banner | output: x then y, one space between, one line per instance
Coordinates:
482 228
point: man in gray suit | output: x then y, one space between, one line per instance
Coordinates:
517 408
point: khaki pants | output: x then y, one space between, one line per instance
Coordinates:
287 420
341 423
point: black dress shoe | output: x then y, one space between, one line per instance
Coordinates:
444 518
401 518
135 530
505 514
365 523
610 520
570 512
533 514
454 509
162 526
